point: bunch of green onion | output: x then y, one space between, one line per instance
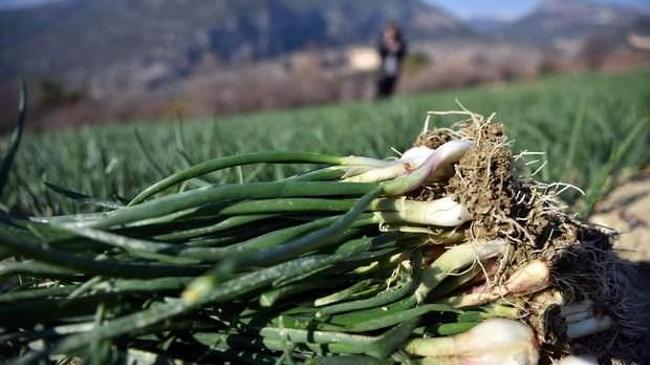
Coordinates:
337 265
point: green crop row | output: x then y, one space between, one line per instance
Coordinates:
592 128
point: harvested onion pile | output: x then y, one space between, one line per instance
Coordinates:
443 256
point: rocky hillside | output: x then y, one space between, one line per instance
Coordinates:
159 38
557 21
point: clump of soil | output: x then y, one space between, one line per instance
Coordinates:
506 205
435 138
501 203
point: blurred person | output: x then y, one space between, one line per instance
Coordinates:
392 49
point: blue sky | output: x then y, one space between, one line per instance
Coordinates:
509 9
21 3
500 9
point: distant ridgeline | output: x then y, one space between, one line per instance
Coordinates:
76 38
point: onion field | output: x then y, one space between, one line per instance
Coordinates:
592 129
293 237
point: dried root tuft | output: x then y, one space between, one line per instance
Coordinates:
528 214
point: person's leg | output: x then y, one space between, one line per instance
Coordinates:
386 86
389 85
382 87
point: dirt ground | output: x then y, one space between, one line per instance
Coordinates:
627 209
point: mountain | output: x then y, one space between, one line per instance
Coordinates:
555 21
81 39
486 25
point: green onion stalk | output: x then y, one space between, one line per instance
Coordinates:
161 246
342 264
